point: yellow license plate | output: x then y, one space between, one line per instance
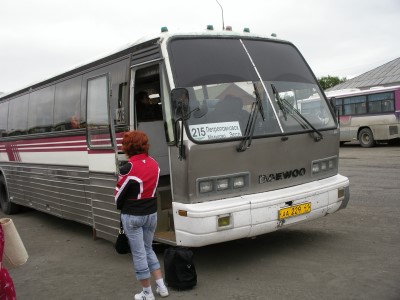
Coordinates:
295 210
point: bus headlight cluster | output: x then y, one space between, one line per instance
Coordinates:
324 165
224 183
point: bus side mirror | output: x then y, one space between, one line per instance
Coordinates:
180 102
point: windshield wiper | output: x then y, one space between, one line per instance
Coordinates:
249 132
279 101
285 104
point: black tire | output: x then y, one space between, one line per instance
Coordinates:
7 207
366 138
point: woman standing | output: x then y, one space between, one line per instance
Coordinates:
135 197
7 290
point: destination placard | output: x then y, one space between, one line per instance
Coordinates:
214 131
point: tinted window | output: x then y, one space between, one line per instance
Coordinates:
3 118
278 62
97 101
99 133
383 102
355 105
18 115
67 107
40 118
214 61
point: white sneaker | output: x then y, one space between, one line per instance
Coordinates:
163 292
144 296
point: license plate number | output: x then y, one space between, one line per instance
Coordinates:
295 210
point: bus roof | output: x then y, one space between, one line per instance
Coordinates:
356 92
128 48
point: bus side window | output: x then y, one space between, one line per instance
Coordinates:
18 115
67 106
387 105
41 103
3 118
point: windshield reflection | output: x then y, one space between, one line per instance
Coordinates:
227 108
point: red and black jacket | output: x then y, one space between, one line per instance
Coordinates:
136 186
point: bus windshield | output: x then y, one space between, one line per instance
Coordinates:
222 81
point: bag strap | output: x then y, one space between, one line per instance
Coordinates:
121 228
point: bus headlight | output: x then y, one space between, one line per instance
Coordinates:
205 186
222 184
238 182
315 168
331 163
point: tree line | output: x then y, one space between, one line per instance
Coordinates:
327 82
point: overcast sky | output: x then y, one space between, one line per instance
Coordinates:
41 38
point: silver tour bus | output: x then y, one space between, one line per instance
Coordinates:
238 158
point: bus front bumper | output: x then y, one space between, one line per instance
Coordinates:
251 215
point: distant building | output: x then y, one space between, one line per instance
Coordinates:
385 75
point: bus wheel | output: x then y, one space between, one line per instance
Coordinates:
7 206
366 138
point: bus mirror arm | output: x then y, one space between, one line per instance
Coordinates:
179 135
179 138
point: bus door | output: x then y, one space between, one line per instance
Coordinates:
102 155
148 91
148 115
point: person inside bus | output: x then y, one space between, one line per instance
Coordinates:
75 121
147 109
230 109
135 197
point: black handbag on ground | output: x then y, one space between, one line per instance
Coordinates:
122 242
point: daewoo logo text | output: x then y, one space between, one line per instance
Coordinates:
281 175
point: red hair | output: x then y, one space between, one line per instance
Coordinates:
135 142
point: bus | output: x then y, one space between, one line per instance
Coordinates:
369 116
237 158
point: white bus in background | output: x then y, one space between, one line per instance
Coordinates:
368 116
237 159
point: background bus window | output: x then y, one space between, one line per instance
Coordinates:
355 105
383 102
67 105
40 117
339 106
3 118
18 115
